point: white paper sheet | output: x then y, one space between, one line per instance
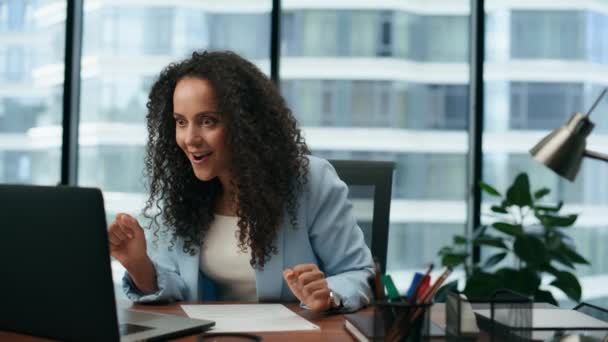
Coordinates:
249 317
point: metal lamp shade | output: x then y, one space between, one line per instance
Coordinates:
563 149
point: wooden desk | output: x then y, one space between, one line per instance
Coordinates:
332 326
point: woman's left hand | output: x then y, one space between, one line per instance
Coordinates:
308 284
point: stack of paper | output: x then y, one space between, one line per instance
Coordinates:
249 317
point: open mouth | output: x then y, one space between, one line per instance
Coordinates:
199 157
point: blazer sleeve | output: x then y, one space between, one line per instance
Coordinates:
337 239
171 286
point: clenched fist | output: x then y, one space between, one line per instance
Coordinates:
308 284
128 246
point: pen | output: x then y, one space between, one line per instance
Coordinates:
377 282
428 296
414 294
391 290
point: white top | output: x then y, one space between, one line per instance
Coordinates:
223 261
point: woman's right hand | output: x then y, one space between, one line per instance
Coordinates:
128 246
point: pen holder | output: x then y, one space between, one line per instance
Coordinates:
398 321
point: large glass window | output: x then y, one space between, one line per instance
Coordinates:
31 90
389 83
543 44
350 107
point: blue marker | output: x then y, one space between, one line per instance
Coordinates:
417 278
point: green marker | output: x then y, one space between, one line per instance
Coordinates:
390 286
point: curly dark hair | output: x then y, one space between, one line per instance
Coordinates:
268 156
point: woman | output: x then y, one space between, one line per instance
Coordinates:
241 208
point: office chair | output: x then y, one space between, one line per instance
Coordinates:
360 176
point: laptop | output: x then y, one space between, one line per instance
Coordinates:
56 280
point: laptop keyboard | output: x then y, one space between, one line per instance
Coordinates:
126 328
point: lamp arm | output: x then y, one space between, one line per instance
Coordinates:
596 155
597 101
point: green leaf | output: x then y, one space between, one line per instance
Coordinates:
555 209
568 283
445 250
573 255
481 285
519 193
541 193
562 259
550 220
453 259
490 241
530 249
489 190
442 293
543 296
547 267
494 259
525 280
554 242
459 240
499 209
509 229
560 234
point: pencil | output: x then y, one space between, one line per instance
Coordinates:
377 282
415 292
428 296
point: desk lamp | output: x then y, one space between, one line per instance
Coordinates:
563 149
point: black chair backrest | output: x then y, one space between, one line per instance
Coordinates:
379 176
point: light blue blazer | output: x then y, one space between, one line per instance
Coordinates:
327 235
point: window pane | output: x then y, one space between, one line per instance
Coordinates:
388 84
126 44
550 57
31 90
548 34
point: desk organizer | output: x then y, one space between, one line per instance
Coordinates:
509 316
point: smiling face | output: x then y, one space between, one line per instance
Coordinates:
199 129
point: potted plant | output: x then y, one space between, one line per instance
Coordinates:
529 236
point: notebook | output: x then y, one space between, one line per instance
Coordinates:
56 276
